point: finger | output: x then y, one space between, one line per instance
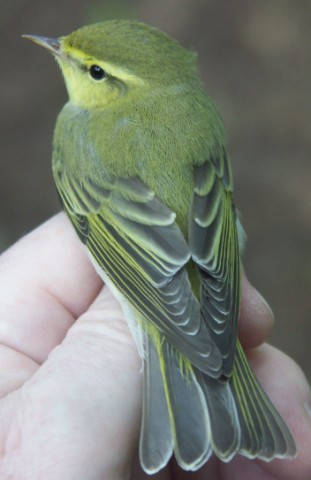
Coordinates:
16 369
256 317
81 409
46 281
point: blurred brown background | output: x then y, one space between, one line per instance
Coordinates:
255 60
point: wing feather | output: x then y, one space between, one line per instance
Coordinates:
213 242
135 239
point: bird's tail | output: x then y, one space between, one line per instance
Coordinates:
187 413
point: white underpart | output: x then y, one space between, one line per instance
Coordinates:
128 311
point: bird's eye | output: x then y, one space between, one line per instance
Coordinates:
97 72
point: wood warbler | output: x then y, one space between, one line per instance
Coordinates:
140 164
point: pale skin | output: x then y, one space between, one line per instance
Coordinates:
70 376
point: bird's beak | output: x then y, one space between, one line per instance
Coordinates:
51 44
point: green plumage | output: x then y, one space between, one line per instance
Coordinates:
140 164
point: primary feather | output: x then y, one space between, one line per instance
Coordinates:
141 167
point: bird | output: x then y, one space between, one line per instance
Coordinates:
141 167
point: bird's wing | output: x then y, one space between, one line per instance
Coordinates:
134 238
213 242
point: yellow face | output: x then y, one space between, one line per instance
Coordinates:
93 83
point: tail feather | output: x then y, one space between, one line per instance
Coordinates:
175 416
156 443
225 427
264 434
188 413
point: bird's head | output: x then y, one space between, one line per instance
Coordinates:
120 58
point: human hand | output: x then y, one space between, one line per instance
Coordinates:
70 376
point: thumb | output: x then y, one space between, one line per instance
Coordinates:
70 419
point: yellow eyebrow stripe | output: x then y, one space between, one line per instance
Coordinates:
114 70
